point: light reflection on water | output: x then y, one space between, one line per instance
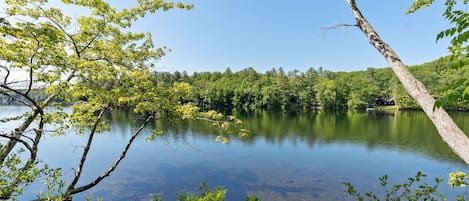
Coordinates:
289 157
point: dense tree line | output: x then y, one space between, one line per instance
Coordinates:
296 91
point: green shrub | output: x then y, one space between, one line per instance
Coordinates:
415 188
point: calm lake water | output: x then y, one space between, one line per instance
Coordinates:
288 157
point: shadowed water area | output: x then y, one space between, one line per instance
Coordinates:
288 157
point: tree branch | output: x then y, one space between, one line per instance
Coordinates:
31 161
114 166
5 79
25 144
15 118
90 42
87 148
27 122
450 133
75 46
31 60
340 25
16 99
36 106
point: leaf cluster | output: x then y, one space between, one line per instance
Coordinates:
13 171
457 15
206 194
415 188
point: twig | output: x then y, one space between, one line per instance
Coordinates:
16 99
91 41
18 140
36 50
7 75
340 25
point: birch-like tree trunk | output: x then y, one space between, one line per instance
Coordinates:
448 130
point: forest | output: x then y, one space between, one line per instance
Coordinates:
295 91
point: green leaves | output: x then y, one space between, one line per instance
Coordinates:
155 133
418 4
458 179
217 194
415 188
92 63
454 92
459 35
326 92
13 172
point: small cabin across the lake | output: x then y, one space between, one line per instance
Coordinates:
386 101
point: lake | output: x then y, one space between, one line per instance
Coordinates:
288 157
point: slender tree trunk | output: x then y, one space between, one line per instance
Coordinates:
19 132
8 147
448 130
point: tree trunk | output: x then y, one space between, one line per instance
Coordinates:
448 130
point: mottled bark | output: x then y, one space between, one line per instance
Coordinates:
8 147
448 130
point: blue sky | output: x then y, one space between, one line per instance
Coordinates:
266 34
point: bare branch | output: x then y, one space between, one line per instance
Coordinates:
15 118
30 84
16 82
36 50
87 148
25 144
114 166
39 133
24 96
16 99
340 25
7 75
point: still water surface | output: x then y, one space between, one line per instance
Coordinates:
289 157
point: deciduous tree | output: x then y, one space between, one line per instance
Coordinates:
91 63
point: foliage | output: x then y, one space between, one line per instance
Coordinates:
415 188
456 13
11 171
55 188
458 179
293 91
296 91
217 194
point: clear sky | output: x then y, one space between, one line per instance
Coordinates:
266 34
